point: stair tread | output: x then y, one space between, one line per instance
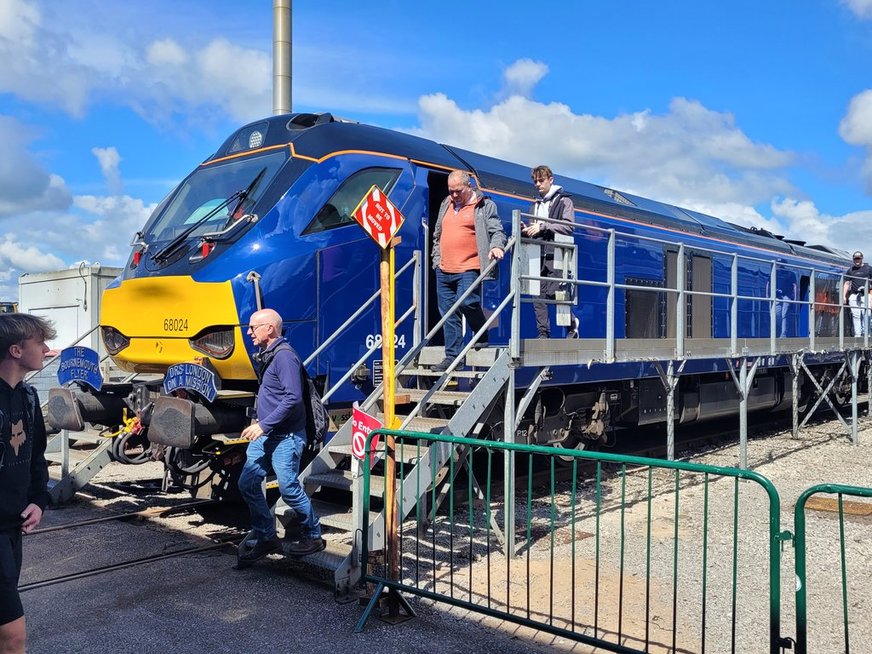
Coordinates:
427 372
344 479
330 558
407 453
455 398
419 423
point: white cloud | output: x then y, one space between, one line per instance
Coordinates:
24 184
686 154
109 161
689 155
806 221
862 8
46 64
26 258
856 128
523 75
166 52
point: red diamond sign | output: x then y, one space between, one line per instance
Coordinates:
378 216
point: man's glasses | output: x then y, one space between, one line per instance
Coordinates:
253 328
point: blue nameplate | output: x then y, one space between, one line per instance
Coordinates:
191 377
80 364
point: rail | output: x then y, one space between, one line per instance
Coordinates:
816 305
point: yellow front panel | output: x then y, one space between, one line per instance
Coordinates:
160 314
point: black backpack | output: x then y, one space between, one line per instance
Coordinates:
317 420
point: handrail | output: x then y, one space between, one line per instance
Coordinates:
679 291
328 392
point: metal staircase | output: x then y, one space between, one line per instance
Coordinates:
426 408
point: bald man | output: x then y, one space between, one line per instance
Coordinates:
468 235
277 440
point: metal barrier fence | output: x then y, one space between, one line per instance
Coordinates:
625 553
827 582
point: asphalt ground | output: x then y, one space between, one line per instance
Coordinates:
197 602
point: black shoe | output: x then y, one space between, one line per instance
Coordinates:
260 550
442 366
484 341
572 332
544 336
306 546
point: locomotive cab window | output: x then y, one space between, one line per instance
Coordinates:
338 209
214 196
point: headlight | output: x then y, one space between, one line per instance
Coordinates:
114 340
216 342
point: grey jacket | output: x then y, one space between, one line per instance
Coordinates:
488 231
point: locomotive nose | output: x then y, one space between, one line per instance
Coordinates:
151 323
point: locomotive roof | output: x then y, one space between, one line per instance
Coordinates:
335 135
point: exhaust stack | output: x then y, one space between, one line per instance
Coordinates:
281 57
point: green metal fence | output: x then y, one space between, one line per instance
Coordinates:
619 552
826 582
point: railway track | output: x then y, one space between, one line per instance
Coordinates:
52 581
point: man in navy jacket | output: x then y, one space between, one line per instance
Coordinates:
278 438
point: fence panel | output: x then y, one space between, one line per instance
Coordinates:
625 553
832 562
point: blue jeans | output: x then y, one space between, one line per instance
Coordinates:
449 287
282 453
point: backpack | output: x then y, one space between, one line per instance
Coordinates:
317 420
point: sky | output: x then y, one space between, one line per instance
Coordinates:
759 113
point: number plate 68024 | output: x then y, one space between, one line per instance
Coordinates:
175 324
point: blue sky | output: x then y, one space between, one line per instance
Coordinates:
757 112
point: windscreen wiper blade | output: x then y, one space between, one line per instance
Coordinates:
164 253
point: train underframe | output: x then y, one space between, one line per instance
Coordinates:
195 439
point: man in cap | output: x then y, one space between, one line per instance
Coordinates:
854 291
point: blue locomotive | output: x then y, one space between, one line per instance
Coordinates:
266 221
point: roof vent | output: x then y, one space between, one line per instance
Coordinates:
305 121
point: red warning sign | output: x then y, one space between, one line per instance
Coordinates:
378 216
361 426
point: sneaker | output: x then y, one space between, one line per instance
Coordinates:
260 550
442 366
306 546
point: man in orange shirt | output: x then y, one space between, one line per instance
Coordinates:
468 234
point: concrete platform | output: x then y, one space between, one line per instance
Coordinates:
197 602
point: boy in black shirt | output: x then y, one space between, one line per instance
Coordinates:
23 470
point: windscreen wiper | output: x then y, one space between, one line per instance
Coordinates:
164 253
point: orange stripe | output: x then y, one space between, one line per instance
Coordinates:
504 194
245 154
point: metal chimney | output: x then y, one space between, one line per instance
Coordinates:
281 57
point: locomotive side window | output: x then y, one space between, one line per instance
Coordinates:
827 297
338 209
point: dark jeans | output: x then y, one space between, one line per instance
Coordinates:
449 287
281 453
547 291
